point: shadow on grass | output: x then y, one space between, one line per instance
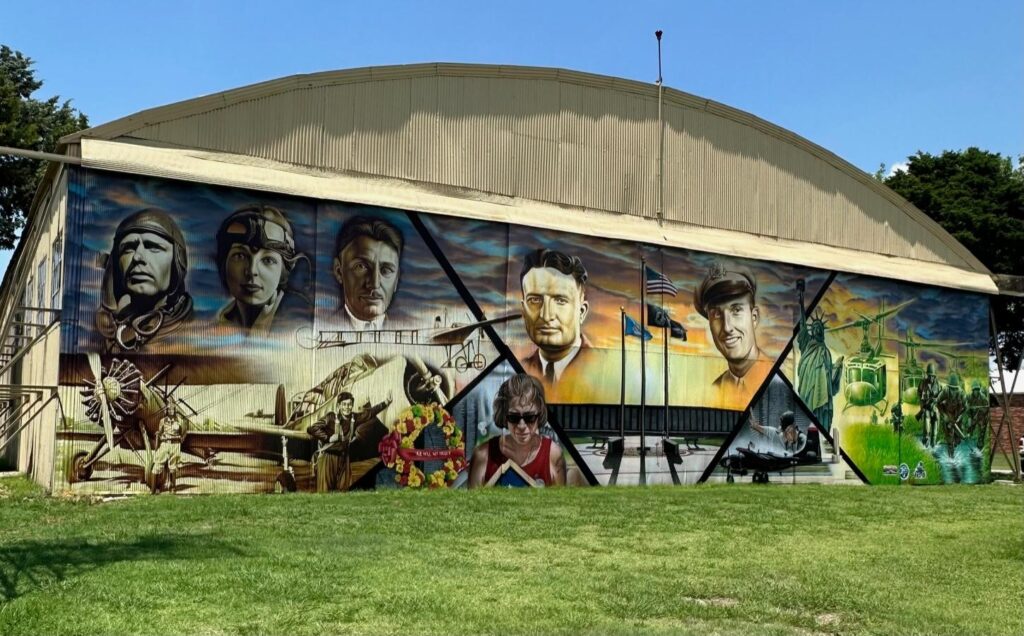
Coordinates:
31 565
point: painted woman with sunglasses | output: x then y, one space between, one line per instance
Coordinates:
520 408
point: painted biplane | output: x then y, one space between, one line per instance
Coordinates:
128 409
370 381
461 342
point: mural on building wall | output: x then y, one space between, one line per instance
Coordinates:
899 373
779 436
218 339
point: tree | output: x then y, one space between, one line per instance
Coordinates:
978 197
29 124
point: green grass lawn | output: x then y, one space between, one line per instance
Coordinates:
698 560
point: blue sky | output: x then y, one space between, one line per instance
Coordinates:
872 81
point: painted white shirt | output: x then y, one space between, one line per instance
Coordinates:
560 365
359 324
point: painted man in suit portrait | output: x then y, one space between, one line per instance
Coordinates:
366 264
554 308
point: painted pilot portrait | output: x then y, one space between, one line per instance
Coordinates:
255 256
144 296
367 266
554 309
727 298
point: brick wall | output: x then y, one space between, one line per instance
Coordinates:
1005 443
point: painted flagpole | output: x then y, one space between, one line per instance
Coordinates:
666 331
643 367
622 374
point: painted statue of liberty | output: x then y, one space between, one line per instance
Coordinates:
817 376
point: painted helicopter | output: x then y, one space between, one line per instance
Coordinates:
743 460
128 408
964 364
865 372
911 371
463 349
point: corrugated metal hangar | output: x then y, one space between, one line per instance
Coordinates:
257 290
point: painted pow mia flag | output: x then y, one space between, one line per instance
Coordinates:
658 317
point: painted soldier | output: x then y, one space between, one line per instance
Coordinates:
952 405
928 393
896 418
977 415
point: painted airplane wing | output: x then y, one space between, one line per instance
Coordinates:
206 443
369 386
270 429
457 334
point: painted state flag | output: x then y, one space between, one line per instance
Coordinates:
633 328
658 283
657 316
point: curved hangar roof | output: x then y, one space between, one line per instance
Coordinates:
543 147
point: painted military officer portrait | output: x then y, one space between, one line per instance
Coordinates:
144 295
727 298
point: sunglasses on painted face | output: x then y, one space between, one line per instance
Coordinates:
513 418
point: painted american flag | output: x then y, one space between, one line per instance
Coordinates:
658 283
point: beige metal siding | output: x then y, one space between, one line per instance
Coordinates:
40 365
557 137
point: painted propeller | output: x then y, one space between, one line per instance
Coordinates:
112 395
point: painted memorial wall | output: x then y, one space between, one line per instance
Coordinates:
225 340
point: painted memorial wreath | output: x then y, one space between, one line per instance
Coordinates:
397 449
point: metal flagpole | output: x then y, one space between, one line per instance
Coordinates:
622 374
661 140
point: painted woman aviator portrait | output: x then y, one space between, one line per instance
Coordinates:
256 255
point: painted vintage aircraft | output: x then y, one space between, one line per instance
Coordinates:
461 342
743 460
128 408
370 381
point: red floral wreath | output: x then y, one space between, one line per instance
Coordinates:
397 448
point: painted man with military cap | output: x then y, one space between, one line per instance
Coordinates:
255 255
144 295
728 299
